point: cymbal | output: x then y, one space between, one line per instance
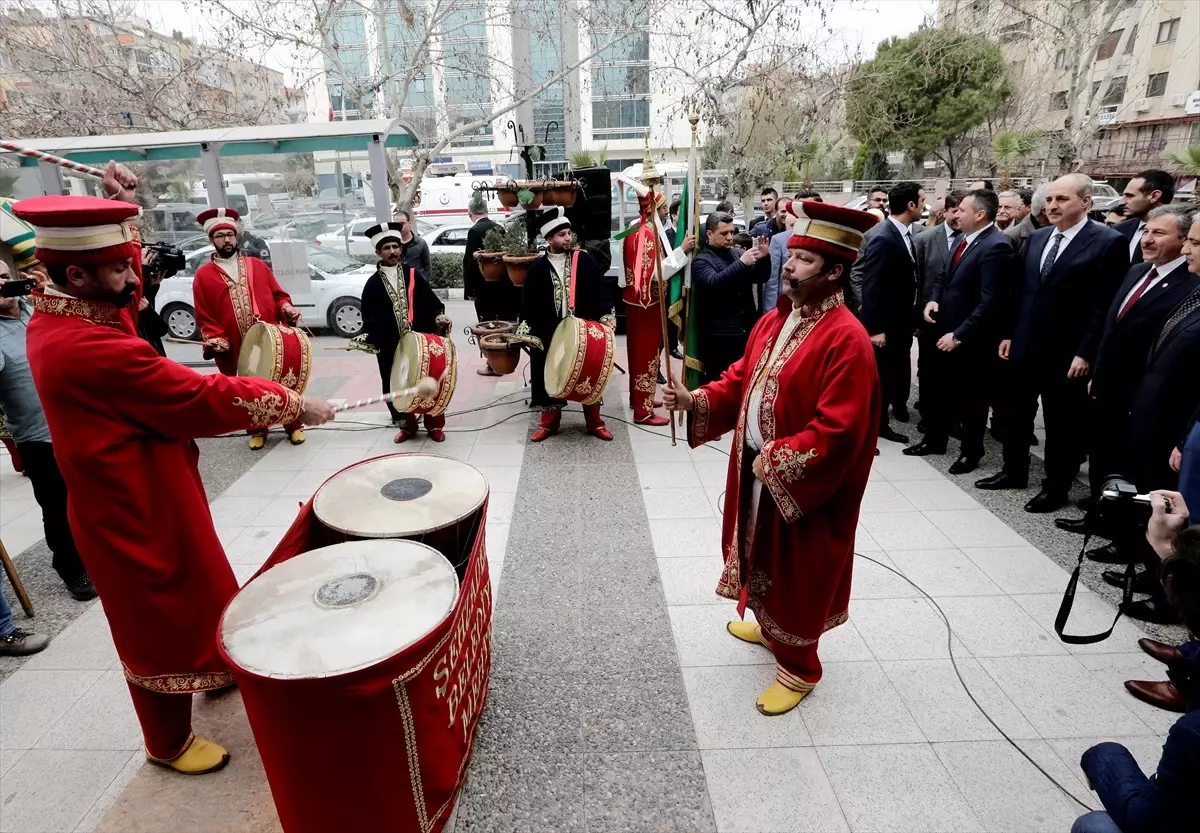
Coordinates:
338 609
400 496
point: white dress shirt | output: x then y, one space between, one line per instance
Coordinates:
1160 273
1136 240
754 437
970 238
906 235
1067 236
951 233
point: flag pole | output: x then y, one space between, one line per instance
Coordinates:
693 220
651 178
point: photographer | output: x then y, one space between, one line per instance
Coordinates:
159 262
1169 800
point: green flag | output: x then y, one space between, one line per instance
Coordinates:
681 299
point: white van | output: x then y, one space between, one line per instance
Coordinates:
235 197
444 198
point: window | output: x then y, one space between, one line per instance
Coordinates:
1157 85
348 30
1015 31
1108 45
621 87
1132 40
465 23
1168 30
620 119
1116 91
452 237
1095 89
1058 100
1149 140
1060 59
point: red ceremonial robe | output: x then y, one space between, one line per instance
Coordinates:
643 319
819 418
123 420
229 305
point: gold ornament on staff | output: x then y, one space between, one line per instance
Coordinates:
651 178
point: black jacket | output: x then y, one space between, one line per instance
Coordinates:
889 283
416 256
472 278
1127 229
970 294
724 288
1063 316
540 314
1125 346
380 324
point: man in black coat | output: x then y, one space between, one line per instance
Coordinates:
494 300
934 246
723 280
546 301
964 310
1072 270
395 301
1144 193
888 265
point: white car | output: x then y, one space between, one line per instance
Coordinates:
447 240
335 301
360 246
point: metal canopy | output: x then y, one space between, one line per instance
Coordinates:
305 137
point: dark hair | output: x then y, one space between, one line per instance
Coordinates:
987 200
954 198
809 194
1026 195
743 240
715 219
725 207
878 189
768 190
1155 180
674 207
987 184
901 195
1181 577
404 211
57 273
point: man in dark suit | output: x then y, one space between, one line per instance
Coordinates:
1072 269
964 308
889 292
934 247
1148 294
494 300
1144 193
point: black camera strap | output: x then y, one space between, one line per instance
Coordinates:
1068 601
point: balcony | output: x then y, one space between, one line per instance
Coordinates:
1126 154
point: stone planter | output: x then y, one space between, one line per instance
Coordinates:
491 265
518 267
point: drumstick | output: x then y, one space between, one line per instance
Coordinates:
183 341
427 388
53 160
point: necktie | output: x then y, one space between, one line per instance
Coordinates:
1139 292
1051 255
908 244
958 253
953 240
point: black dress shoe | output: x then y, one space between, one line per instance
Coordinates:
1045 501
887 432
1155 610
900 413
1108 554
924 449
922 426
1076 526
1002 480
964 465
1143 582
81 588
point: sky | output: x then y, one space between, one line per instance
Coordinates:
862 24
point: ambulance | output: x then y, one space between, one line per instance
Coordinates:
444 199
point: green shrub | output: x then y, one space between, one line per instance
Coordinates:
447 271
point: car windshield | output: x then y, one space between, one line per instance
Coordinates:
1104 190
330 262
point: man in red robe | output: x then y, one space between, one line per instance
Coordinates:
231 294
643 309
123 419
803 403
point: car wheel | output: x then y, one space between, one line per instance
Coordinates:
345 317
181 321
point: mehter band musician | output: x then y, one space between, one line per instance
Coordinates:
803 403
395 301
232 293
547 300
123 420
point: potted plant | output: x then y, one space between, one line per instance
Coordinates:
519 255
559 192
491 257
507 194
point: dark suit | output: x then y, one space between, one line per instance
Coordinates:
889 292
1128 229
494 300
1058 319
725 308
969 295
933 253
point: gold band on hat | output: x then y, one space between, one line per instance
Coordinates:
840 235
82 239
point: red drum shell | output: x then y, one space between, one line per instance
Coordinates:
580 360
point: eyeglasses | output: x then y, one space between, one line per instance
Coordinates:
224 235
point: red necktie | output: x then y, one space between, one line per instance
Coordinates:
958 253
1139 292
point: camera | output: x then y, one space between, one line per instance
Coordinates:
167 259
1121 505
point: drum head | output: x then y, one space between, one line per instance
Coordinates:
560 358
400 496
405 367
338 609
257 354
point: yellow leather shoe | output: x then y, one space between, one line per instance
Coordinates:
746 631
779 699
257 441
296 437
197 758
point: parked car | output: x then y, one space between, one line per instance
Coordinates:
447 240
1104 196
358 244
335 301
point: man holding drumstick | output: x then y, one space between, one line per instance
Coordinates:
123 419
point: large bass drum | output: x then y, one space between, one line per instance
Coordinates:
419 355
580 360
281 354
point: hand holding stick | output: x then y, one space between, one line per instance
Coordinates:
427 388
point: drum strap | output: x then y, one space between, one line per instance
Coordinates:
412 287
244 267
574 271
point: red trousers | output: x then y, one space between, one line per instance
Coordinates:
432 423
643 341
166 720
797 664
